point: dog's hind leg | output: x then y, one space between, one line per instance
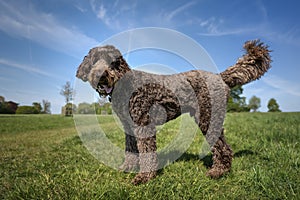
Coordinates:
222 153
222 158
146 143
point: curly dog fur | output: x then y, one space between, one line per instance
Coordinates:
143 100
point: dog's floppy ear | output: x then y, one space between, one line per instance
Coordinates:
116 64
84 69
86 65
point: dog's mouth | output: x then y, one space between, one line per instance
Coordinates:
103 87
104 90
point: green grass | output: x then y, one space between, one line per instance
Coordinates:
42 157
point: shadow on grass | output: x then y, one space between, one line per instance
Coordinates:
207 160
167 157
244 152
186 157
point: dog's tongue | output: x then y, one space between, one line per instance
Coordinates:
107 89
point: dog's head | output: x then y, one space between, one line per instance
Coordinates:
102 68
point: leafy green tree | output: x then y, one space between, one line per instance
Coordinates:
236 103
109 110
2 99
37 106
69 109
5 108
106 109
273 106
235 93
254 103
97 108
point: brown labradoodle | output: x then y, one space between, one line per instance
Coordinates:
143 100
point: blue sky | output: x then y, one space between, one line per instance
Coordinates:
43 42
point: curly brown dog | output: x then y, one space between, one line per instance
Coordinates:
143 100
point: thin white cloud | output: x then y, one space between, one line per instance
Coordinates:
100 12
262 28
178 10
290 36
214 31
283 85
80 8
26 68
218 27
25 21
103 13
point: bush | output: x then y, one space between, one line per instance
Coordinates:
27 110
68 109
5 109
273 106
86 108
237 105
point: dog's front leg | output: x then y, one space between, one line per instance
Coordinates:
131 162
146 143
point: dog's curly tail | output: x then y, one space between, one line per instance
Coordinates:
250 66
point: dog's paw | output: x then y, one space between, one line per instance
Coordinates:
129 167
131 163
217 172
143 177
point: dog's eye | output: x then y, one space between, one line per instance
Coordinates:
104 74
116 64
103 80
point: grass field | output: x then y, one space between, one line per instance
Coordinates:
42 157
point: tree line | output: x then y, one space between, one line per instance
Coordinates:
100 107
35 108
90 108
236 103
10 107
